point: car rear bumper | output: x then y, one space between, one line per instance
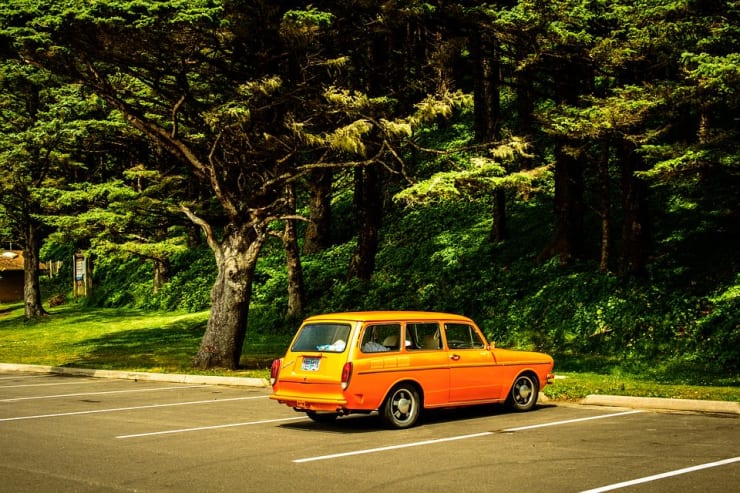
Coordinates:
305 402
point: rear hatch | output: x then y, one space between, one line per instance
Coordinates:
312 367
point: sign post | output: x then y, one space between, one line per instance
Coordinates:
81 281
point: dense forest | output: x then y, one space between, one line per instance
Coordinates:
564 172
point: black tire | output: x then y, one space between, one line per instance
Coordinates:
401 407
322 417
524 392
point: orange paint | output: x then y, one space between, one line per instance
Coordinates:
399 363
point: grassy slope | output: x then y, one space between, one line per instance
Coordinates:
674 333
163 342
115 339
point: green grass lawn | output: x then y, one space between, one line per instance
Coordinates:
573 386
114 339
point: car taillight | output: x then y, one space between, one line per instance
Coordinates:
346 375
274 370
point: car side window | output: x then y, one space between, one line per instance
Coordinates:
462 336
381 337
423 335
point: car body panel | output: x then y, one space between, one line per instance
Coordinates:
466 370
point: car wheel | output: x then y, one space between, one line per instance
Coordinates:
523 394
401 407
321 417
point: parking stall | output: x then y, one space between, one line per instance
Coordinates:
88 434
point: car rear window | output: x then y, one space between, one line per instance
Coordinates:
326 337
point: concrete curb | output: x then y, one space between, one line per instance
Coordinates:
695 405
135 375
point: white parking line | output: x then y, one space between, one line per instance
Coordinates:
82 394
18 377
133 408
394 447
214 427
568 421
76 382
669 474
459 437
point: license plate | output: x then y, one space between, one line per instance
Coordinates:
310 364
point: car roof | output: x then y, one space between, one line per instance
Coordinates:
387 316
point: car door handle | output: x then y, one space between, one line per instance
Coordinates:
454 357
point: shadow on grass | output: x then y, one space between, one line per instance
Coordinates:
168 348
66 315
159 348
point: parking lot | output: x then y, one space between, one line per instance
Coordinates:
81 434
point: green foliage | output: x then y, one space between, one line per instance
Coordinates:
577 384
678 325
437 258
190 287
61 282
204 78
126 282
118 281
308 19
715 331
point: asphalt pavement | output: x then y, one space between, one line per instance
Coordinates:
653 403
82 430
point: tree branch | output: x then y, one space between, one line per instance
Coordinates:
207 230
226 202
154 131
175 109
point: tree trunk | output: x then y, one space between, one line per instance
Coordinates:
485 89
162 269
318 231
293 259
236 257
369 206
295 273
574 78
604 207
487 103
567 241
636 225
31 288
525 96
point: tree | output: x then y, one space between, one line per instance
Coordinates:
318 231
40 125
401 38
133 212
289 237
369 212
487 85
242 93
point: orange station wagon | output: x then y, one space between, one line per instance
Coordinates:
398 363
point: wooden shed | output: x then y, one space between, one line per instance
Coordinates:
11 276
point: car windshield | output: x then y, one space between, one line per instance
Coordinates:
322 337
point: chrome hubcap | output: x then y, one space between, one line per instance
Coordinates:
524 391
403 406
